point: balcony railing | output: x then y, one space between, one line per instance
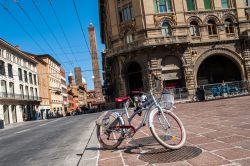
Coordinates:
19 96
148 42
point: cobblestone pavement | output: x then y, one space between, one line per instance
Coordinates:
218 133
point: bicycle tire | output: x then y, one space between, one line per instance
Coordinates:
102 140
161 139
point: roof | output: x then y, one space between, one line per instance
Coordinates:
17 51
36 57
42 56
50 57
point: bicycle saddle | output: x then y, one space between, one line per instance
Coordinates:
121 99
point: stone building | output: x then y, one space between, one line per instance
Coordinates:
43 79
54 79
19 91
186 43
64 91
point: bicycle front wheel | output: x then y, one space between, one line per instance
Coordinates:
112 137
170 134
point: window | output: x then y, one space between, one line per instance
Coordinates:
191 5
34 79
126 13
194 29
27 91
247 2
25 76
225 4
163 6
21 91
10 72
31 93
229 26
11 85
212 27
2 68
30 78
1 52
208 4
36 95
20 74
128 38
166 29
3 88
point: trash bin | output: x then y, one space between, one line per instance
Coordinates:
1 124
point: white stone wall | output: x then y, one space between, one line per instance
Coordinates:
17 61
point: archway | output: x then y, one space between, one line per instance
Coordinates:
216 69
134 76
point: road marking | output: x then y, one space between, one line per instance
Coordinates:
22 131
49 122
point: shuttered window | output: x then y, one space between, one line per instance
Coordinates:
190 5
207 4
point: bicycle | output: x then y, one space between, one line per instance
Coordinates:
164 125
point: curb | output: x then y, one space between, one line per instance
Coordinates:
91 152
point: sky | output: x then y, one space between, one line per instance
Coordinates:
35 37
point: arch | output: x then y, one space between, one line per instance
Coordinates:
134 77
194 18
228 16
211 17
237 59
166 19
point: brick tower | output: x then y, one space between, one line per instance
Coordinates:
95 63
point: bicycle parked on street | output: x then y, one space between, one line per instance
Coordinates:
165 126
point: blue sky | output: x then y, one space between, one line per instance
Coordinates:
88 11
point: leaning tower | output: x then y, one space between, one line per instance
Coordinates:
95 63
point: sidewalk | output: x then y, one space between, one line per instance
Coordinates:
218 133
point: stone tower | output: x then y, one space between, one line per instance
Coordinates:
95 63
78 75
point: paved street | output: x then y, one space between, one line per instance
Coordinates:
218 133
50 142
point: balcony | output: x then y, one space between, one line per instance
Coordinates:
140 44
13 96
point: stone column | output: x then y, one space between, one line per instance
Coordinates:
19 113
1 113
247 62
189 73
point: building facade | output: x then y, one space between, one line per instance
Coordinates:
19 96
53 72
44 108
186 43
64 91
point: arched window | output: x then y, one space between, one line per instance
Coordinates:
212 27
229 27
166 29
194 28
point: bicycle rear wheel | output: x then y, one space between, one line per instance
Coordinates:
172 137
112 137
